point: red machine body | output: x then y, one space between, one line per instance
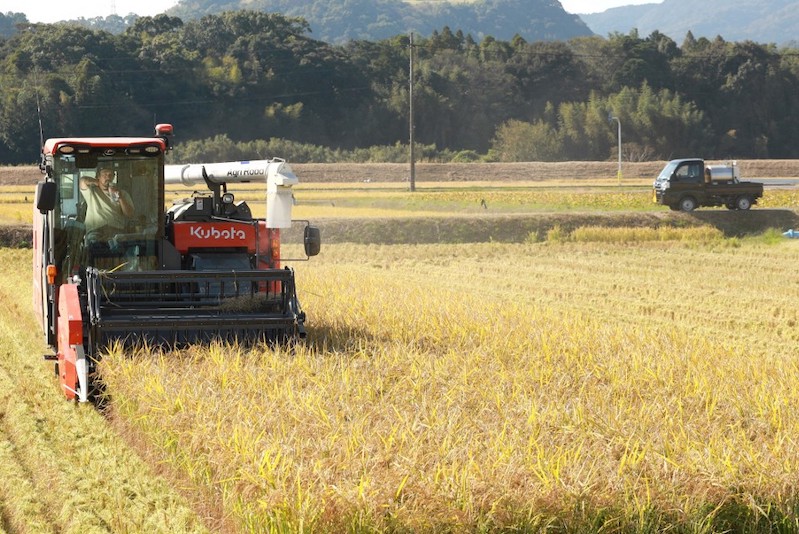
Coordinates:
204 269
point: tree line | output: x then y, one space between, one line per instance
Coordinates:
244 76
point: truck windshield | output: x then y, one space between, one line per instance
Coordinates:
667 171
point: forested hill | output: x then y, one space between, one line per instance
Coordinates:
338 21
764 21
252 84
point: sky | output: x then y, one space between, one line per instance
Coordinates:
55 10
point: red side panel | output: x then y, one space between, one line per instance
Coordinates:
70 332
268 253
274 238
268 247
220 235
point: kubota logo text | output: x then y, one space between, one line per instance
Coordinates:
231 233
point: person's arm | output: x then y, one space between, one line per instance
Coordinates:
125 203
87 181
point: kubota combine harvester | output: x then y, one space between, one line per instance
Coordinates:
204 269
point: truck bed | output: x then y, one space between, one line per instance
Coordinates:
729 194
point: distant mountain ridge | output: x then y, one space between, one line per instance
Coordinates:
337 21
762 21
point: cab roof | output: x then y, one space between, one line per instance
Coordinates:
681 160
51 146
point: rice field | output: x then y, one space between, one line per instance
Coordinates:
586 379
432 199
63 469
446 199
437 199
579 384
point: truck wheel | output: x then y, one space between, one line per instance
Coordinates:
688 204
743 203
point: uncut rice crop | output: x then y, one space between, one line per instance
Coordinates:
780 198
636 235
578 386
501 199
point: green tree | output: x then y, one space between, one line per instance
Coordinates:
381 115
465 98
656 123
522 141
645 61
747 94
545 72
253 60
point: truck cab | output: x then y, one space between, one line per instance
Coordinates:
686 184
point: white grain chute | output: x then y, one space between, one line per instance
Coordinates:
276 173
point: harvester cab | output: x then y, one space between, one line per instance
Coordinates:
112 264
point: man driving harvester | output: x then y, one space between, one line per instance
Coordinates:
108 208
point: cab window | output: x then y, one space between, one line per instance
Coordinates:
689 173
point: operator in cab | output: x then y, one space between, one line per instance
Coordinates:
108 209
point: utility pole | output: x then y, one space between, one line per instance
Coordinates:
411 125
611 118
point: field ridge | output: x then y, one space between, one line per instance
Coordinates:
502 228
469 172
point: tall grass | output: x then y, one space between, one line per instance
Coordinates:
496 387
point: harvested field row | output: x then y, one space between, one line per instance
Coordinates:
62 468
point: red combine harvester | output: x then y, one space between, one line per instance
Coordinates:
202 270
